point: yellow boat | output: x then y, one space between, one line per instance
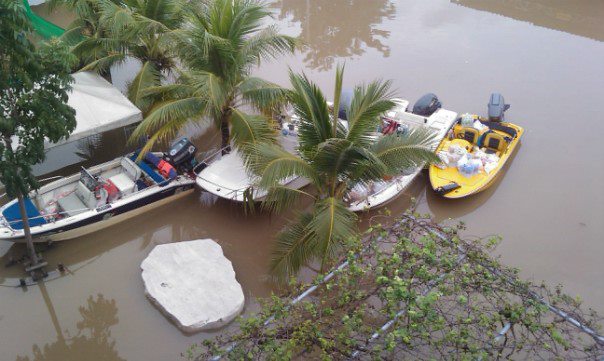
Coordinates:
495 143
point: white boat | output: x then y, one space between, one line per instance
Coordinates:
101 195
227 177
376 194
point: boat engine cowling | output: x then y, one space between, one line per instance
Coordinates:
181 154
426 105
497 107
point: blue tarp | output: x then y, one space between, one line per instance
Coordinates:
148 170
13 215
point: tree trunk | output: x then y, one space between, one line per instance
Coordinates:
30 244
224 130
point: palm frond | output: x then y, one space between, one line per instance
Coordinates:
311 106
280 198
148 76
272 164
166 132
250 129
169 91
398 152
336 98
332 157
262 94
267 44
115 17
295 246
104 63
332 223
171 113
368 103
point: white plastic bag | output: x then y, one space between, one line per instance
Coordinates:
467 120
455 153
470 167
479 126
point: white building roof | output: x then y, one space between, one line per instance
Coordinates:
99 107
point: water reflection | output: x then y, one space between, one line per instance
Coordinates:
93 335
338 28
583 18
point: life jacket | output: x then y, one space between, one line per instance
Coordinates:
389 127
166 169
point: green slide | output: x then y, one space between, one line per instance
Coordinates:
44 28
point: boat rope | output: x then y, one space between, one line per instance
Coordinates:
213 154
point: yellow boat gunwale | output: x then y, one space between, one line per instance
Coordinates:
440 177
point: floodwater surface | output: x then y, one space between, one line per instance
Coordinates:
544 56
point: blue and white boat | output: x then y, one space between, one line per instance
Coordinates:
102 195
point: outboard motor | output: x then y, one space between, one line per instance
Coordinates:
426 105
497 107
181 154
345 100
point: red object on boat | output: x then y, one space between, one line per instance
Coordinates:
390 126
165 168
112 191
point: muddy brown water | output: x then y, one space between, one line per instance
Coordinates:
545 56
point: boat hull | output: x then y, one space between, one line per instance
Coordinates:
238 195
106 218
386 195
478 182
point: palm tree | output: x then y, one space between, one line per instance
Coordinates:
85 34
334 157
219 44
107 32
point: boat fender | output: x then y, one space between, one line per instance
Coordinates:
166 169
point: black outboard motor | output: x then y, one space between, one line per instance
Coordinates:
181 154
426 105
497 107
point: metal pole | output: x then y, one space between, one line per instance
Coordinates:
391 322
588 330
309 291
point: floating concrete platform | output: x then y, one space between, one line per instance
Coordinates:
193 283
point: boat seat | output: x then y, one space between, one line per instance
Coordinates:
72 204
130 168
495 141
86 196
468 133
124 183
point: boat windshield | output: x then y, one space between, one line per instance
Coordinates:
88 179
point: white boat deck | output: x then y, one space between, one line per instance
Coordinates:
228 178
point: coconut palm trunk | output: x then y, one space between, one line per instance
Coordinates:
225 132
